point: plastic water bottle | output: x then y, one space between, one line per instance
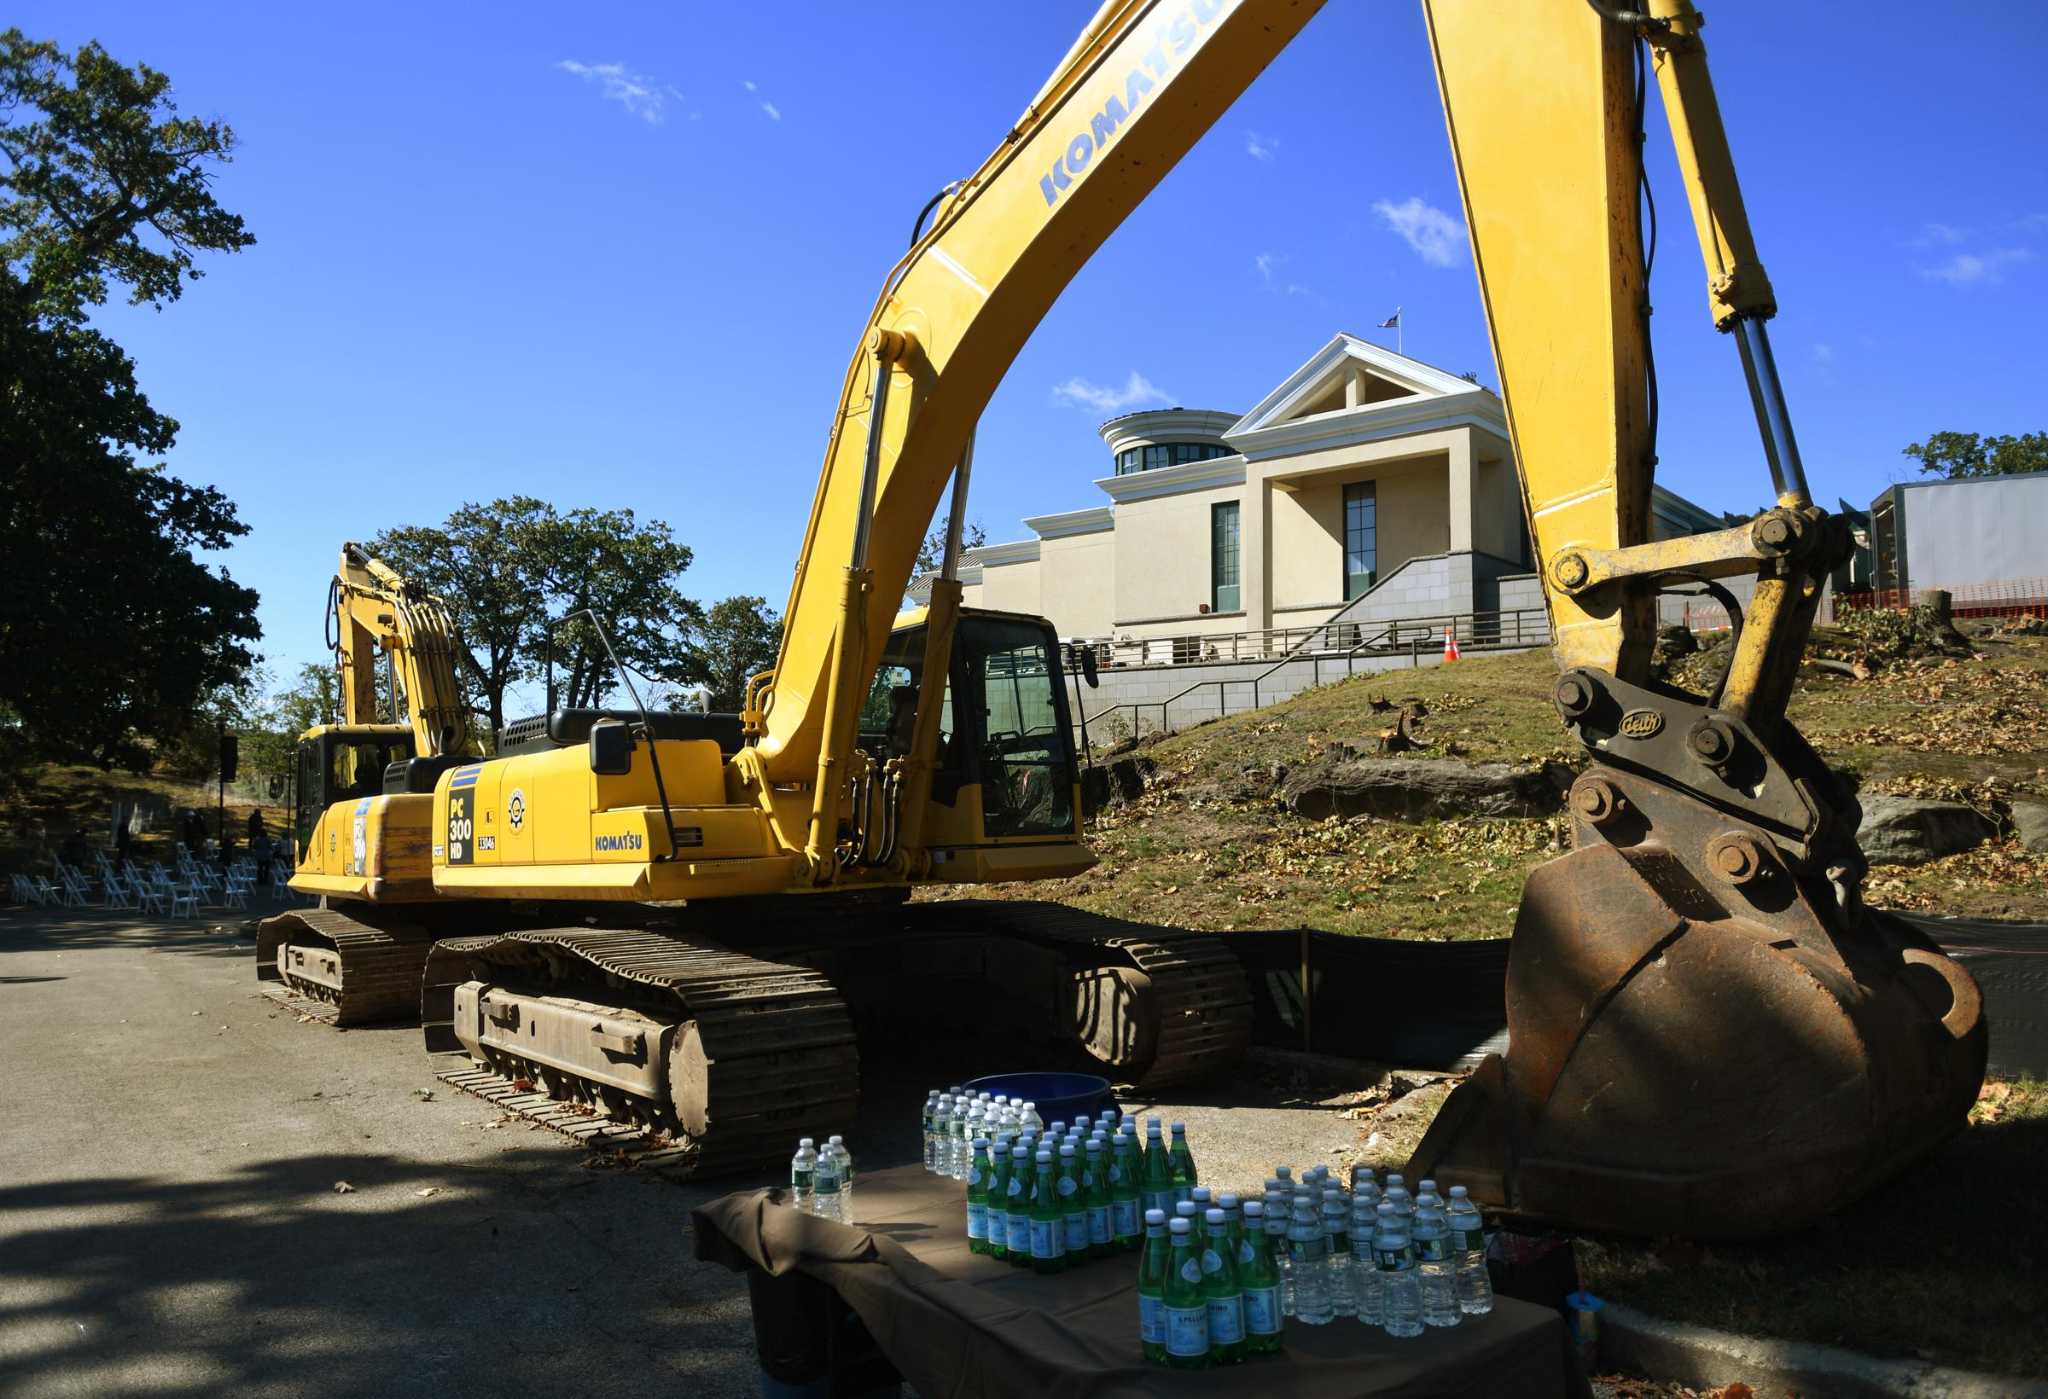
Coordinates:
803 1169
1434 1266
1278 1205
1337 1254
1365 1274
1396 1194
1468 1254
936 1112
1309 1247
931 1108
837 1146
1029 1119
1400 1290
825 1186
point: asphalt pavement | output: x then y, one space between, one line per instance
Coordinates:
173 1217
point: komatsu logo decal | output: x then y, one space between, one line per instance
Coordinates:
1160 60
631 840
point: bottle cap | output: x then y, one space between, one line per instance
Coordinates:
933 1093
1095 1146
1059 1128
1200 1194
1066 1148
1304 1211
954 1089
1179 1127
1045 1158
836 1141
1389 1210
1179 1226
1030 1106
1395 1178
1253 1209
1216 1217
807 1141
1459 1192
1228 1199
1020 1153
1427 1187
1155 1216
1284 1172
1185 1209
1152 1128
981 1143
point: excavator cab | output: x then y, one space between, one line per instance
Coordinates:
341 763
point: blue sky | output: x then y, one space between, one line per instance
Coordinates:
617 255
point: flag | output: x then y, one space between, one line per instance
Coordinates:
1392 322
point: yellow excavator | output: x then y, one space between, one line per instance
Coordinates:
363 800
1709 1033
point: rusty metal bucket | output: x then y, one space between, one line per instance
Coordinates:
1700 1042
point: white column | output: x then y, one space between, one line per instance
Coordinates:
1461 459
1255 561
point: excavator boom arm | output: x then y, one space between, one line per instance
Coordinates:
379 614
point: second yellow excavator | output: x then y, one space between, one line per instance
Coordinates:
1709 1032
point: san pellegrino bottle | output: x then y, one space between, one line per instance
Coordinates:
1468 1252
1394 1255
977 1198
1124 1215
1095 1186
803 1169
1433 1265
1152 1265
1221 1291
1183 1164
1365 1275
1337 1254
1187 1311
1073 1206
931 1108
1260 1283
1309 1248
1155 1132
998 1207
1017 1206
1155 1189
825 1184
1048 1227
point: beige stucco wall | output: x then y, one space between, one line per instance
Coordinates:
1163 556
1010 587
1077 583
1497 509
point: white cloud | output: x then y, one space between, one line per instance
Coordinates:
1824 353
1266 262
639 94
1137 389
1437 238
1939 234
1261 147
768 109
1969 269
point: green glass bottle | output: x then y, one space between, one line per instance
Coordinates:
1125 1217
1155 1187
1187 1312
1221 1292
977 1198
1048 1253
1017 1207
1095 1187
1260 1280
1073 1206
1152 1264
1182 1170
998 1197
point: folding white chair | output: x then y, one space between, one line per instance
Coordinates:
117 893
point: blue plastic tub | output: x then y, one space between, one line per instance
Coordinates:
1059 1097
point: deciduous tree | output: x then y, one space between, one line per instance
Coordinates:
1963 456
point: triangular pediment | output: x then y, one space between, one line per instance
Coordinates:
1349 374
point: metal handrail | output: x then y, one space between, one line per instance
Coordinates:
1384 641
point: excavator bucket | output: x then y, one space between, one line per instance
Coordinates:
1699 1042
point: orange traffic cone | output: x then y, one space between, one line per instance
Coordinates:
1450 644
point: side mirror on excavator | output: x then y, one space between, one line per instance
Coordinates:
611 748
1088 671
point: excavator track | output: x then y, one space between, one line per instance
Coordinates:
340 969
1189 997
757 1052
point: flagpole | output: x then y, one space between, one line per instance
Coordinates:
1400 333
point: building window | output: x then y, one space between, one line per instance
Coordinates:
1223 589
1361 539
1132 460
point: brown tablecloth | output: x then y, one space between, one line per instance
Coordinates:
957 1324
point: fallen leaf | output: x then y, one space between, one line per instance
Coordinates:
428 1191
342 1187
425 1095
